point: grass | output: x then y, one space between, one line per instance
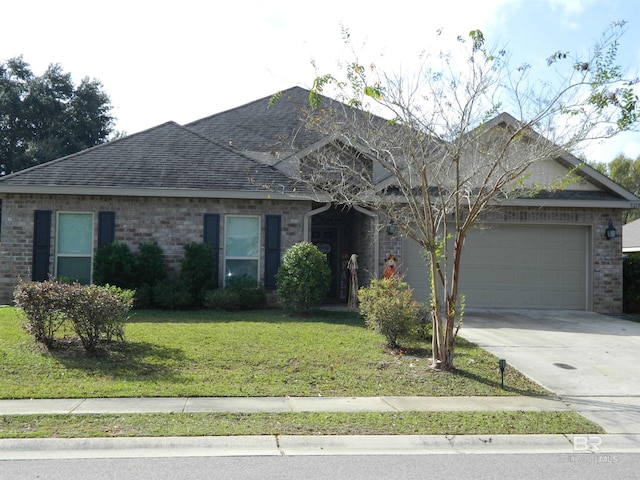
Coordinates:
405 423
261 353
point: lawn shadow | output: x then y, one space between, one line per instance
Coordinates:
131 361
495 383
274 315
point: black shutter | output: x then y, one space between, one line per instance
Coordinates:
41 245
212 238
106 228
271 250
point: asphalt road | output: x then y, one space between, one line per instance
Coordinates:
407 467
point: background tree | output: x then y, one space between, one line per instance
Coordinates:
444 157
625 172
46 117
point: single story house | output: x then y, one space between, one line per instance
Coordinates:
224 180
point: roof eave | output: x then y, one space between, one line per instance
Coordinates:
568 203
266 194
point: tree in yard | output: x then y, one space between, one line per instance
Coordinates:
432 151
46 117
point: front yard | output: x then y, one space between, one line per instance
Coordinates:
262 353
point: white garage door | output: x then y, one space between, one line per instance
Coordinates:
516 266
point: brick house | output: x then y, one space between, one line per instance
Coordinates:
224 180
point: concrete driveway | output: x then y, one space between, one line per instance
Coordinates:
591 361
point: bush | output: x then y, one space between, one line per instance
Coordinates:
114 265
389 308
303 279
631 282
95 313
241 294
43 304
149 265
143 297
171 296
197 273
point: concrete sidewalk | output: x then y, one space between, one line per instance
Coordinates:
279 404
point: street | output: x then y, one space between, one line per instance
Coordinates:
407 467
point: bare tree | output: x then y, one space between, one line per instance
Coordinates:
433 152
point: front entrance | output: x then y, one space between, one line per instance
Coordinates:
327 241
339 233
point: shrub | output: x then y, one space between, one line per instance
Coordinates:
97 313
143 297
197 273
222 299
631 282
171 295
241 294
43 304
149 268
389 308
114 265
303 279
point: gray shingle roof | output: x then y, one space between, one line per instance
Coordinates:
168 156
276 129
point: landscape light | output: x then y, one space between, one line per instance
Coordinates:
502 364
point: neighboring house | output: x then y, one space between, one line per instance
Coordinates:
226 180
631 237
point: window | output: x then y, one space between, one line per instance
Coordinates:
241 247
74 246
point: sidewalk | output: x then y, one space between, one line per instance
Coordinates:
278 404
288 445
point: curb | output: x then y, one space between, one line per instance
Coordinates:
267 445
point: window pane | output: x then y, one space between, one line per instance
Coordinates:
75 234
75 268
238 269
242 237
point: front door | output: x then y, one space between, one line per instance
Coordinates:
326 239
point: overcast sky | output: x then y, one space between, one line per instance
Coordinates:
184 60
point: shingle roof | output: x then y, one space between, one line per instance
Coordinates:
276 129
168 156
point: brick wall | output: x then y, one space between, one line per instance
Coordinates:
172 222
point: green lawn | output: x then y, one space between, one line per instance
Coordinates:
261 353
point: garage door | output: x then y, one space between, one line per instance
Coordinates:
516 266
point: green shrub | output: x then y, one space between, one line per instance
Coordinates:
149 265
197 272
389 308
631 282
143 297
303 279
171 296
114 265
95 313
241 294
222 299
43 304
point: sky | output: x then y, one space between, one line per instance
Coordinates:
188 59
